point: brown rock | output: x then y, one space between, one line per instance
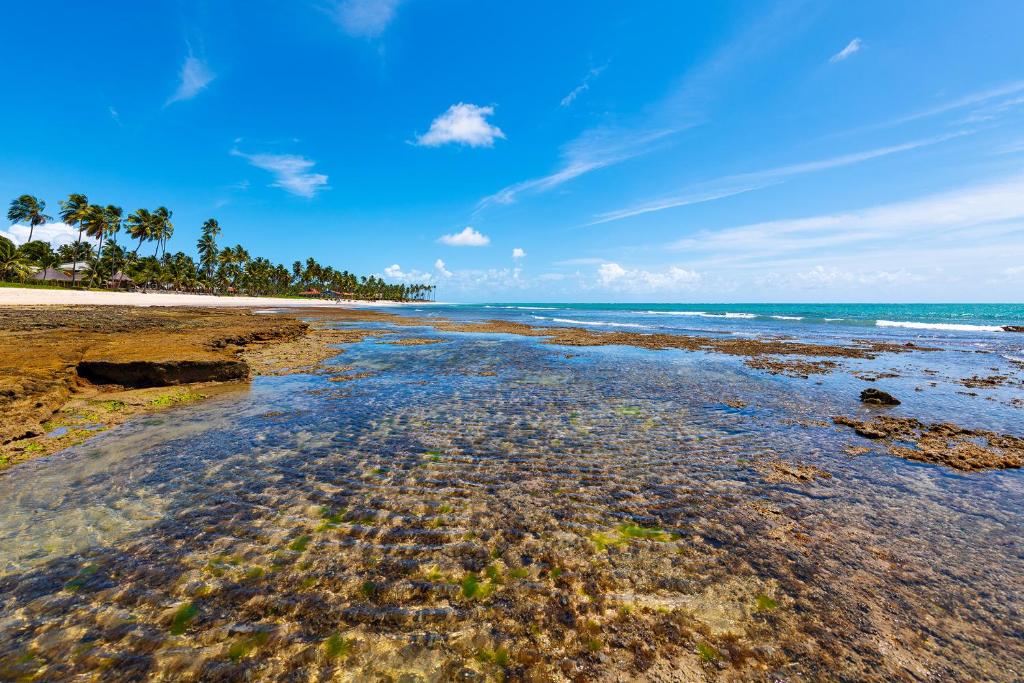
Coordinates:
878 397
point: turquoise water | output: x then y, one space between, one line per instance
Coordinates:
947 317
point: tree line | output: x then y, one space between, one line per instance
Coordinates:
219 270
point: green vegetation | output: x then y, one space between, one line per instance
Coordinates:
179 397
337 647
498 657
708 653
470 587
242 648
631 411
182 618
300 543
624 533
83 575
765 603
222 270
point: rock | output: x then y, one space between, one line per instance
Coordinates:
139 374
878 397
1013 328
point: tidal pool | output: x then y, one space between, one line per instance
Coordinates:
492 507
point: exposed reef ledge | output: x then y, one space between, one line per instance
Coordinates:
942 443
140 374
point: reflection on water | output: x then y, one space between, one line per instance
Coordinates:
492 506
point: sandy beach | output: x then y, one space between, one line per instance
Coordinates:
17 296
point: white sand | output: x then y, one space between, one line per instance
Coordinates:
17 296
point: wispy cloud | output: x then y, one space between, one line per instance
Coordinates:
684 108
364 18
115 116
729 186
980 97
195 76
291 172
464 124
467 238
597 149
518 253
440 267
961 216
582 87
851 48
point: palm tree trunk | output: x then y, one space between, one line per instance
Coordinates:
31 228
74 263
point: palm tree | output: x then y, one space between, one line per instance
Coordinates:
72 211
140 226
207 246
27 209
112 220
163 227
13 264
47 261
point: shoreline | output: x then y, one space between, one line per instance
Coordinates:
27 296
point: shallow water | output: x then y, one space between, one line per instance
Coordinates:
491 505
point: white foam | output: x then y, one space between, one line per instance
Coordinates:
788 317
704 314
570 321
954 327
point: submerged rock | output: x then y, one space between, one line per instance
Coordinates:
878 397
1013 328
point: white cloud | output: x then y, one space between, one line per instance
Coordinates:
364 18
820 277
440 267
518 253
899 231
590 152
588 261
467 238
394 272
195 77
115 116
54 233
729 186
582 87
465 124
291 172
852 47
614 276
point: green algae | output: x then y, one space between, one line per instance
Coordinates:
368 590
299 544
337 647
708 653
182 618
112 406
241 649
254 573
498 657
628 411
176 398
470 587
765 603
648 533
83 575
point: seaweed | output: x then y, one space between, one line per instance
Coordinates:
182 618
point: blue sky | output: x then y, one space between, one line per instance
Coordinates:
537 151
